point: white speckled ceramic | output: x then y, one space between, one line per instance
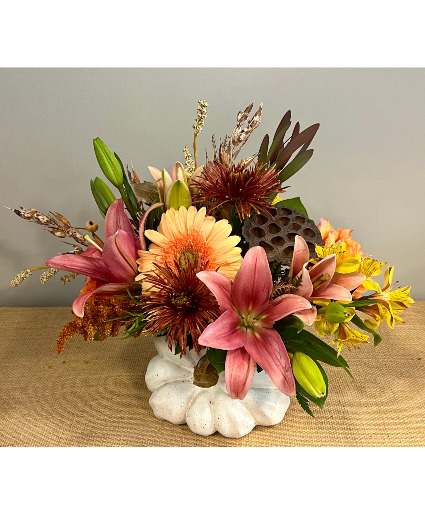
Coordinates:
206 410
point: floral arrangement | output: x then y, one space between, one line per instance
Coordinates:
216 256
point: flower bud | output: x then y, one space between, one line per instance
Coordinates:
308 375
108 163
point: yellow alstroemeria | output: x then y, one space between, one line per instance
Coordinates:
345 263
324 327
370 268
328 323
277 199
393 301
348 336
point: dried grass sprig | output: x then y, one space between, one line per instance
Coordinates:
231 146
55 223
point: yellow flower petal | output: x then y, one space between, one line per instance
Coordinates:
347 265
371 285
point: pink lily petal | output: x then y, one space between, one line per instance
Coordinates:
307 316
224 333
253 284
300 257
239 371
220 286
120 254
305 289
92 252
267 349
174 173
80 264
283 306
142 241
333 292
325 267
116 218
80 301
350 281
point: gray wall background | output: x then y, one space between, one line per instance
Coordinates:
367 172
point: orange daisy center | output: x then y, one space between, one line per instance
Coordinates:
188 247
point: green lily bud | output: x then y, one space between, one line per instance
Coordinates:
108 163
337 313
104 190
308 375
100 201
178 195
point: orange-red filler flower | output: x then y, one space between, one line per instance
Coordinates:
179 304
247 189
189 234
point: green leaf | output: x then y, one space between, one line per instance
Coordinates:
100 201
303 139
295 204
360 303
304 404
317 349
295 165
286 118
277 143
361 325
289 327
217 357
104 190
178 195
108 163
128 189
262 154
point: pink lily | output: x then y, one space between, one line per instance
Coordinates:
320 281
245 328
109 270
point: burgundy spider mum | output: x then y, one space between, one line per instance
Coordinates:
246 188
179 303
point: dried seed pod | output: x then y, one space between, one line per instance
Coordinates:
277 235
58 233
91 226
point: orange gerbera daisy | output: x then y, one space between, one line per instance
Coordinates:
190 234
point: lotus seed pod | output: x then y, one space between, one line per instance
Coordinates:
277 235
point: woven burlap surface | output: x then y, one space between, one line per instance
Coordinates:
94 394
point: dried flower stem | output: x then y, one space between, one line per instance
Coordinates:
190 164
195 153
55 223
45 276
198 125
68 278
16 281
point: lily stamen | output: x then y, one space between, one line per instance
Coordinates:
90 240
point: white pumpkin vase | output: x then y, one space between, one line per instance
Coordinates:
178 400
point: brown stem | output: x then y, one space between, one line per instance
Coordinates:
195 154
